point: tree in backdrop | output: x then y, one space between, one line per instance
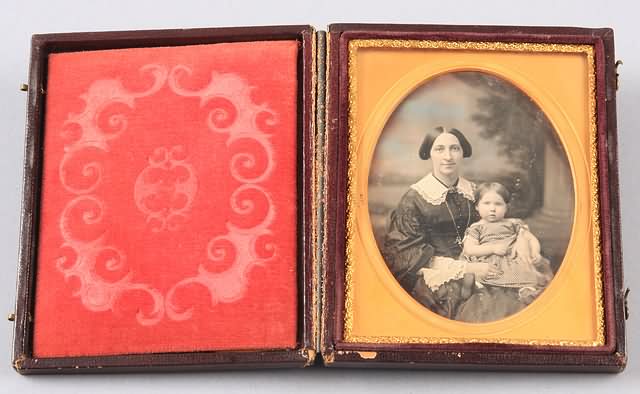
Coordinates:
510 118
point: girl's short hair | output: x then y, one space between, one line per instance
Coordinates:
496 187
425 148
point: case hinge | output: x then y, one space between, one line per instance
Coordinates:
626 303
618 63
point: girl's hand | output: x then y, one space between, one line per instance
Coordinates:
500 249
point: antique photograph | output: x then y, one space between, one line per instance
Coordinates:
471 197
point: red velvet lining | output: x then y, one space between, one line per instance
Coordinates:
168 206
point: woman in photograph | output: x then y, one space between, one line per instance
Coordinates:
424 241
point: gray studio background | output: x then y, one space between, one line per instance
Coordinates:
18 20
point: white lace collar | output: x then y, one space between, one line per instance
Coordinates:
434 192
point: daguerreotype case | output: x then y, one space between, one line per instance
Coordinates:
397 196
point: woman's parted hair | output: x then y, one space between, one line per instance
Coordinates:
496 187
427 143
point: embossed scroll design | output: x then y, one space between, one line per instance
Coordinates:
165 189
100 268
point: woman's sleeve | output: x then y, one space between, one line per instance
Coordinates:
406 246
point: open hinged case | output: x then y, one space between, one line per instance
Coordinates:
380 195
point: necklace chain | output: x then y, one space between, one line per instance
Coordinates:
455 225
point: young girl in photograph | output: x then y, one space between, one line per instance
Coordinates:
506 244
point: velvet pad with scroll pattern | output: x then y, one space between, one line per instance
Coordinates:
168 206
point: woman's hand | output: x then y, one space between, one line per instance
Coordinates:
534 259
521 247
500 249
494 272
